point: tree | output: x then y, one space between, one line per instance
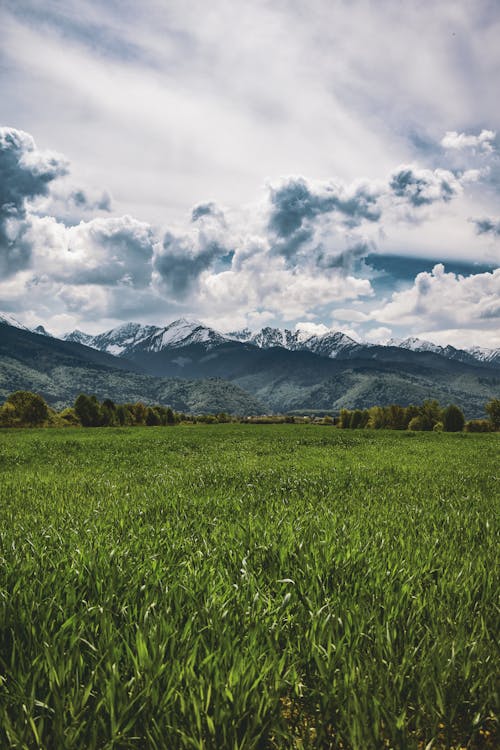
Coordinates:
88 410
430 411
108 413
8 415
377 419
356 419
139 412
152 418
453 419
345 419
69 417
410 412
418 423
170 416
31 409
493 410
478 425
396 416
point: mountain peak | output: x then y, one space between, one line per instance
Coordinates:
10 320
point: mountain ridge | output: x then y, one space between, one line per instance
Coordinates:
126 338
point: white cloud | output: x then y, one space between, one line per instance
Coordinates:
353 316
440 300
483 141
105 251
462 338
377 335
315 329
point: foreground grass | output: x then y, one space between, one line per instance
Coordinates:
248 587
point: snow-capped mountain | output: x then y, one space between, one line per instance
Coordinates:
42 331
485 355
79 337
10 320
475 354
134 337
121 339
329 344
415 345
332 344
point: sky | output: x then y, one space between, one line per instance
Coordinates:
325 165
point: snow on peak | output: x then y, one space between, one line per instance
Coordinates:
10 320
78 337
415 344
42 331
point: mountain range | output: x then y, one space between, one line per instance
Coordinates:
273 370
129 337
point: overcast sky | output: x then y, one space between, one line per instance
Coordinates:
330 164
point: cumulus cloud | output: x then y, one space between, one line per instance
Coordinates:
440 300
422 187
295 201
106 251
185 255
25 174
209 209
377 335
484 141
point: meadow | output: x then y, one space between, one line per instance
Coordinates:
248 586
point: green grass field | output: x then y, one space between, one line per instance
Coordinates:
234 586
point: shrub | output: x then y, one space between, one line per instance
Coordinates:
478 425
419 423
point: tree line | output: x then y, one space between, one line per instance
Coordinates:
27 409
429 416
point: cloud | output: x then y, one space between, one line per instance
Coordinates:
352 316
460 141
86 202
108 251
314 329
185 255
422 187
440 300
25 174
345 260
487 226
378 335
295 201
207 209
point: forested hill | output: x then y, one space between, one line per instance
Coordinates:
60 370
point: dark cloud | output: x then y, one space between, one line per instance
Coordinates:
290 246
295 206
346 260
422 187
82 200
294 202
487 226
110 251
183 258
206 209
25 174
